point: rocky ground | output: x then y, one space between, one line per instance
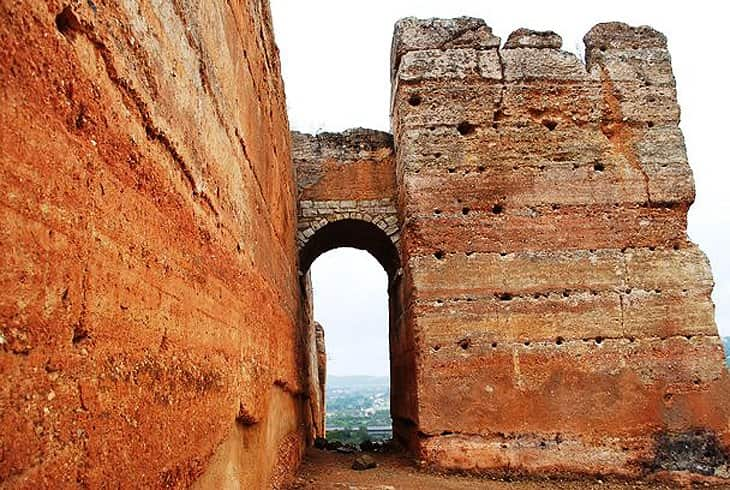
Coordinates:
330 469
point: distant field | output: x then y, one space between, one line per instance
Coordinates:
355 403
726 340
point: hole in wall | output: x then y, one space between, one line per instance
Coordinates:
415 100
599 167
465 129
465 210
439 254
464 344
79 335
497 209
550 124
67 23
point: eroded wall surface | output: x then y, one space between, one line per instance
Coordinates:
561 318
150 298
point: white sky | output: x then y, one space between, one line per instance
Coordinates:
335 58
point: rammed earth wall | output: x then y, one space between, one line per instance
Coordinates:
548 314
149 308
562 320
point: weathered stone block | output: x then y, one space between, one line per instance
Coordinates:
412 34
526 63
527 38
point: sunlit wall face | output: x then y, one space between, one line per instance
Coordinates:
351 303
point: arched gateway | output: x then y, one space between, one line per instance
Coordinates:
347 188
547 308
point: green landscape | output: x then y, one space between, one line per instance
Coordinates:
358 408
726 341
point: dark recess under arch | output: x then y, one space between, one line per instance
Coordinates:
353 233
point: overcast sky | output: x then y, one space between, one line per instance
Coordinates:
335 58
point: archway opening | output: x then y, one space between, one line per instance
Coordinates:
354 269
350 295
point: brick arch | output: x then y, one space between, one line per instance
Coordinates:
375 235
358 231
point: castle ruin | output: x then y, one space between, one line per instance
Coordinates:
548 314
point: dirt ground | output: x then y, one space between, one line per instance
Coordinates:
328 469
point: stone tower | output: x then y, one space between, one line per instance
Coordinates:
548 313
560 316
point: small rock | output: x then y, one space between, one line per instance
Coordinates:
722 471
345 449
364 462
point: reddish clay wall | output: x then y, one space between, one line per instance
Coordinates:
149 309
561 318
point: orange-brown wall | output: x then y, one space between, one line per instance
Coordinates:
149 299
